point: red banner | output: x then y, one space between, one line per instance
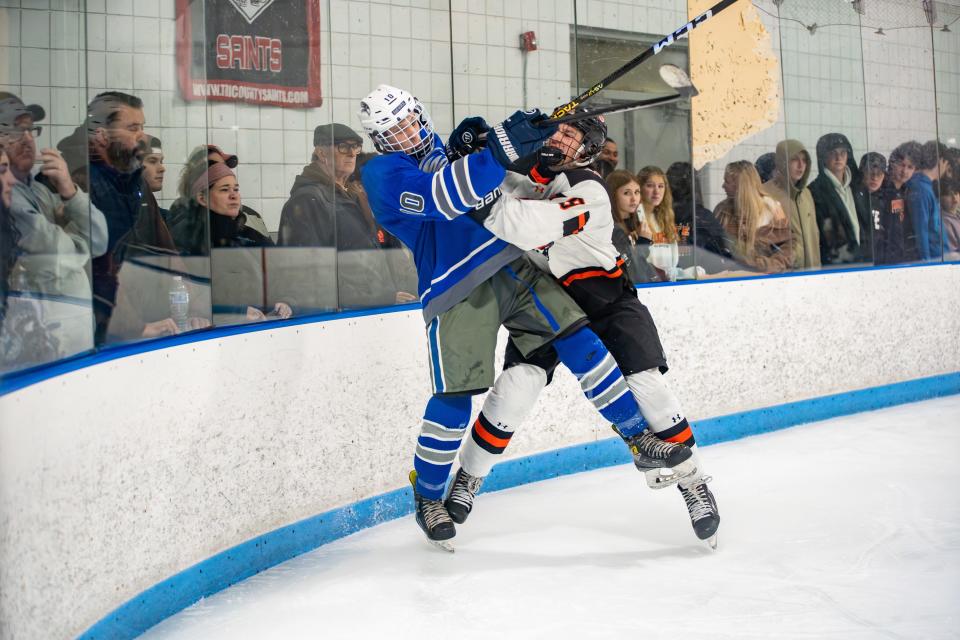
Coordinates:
254 51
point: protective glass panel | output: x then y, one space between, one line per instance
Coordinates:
260 74
901 118
946 49
159 240
823 67
327 231
150 282
48 231
654 231
738 119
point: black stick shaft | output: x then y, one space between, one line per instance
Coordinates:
617 108
648 53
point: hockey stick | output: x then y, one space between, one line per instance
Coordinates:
585 113
648 53
673 75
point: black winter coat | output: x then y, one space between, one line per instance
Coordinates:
710 237
838 240
320 213
893 240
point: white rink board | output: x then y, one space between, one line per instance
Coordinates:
850 552
117 476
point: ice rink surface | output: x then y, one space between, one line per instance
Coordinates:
847 529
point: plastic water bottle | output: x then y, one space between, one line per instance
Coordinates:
180 304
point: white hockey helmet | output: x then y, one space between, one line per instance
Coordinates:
397 122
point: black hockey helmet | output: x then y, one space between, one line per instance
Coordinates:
594 131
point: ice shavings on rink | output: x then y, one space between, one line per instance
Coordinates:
848 528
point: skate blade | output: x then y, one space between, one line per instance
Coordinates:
658 479
443 545
712 541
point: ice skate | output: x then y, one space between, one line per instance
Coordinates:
433 518
662 463
702 507
459 502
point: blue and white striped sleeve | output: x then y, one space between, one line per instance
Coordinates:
444 195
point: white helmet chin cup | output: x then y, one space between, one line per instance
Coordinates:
382 114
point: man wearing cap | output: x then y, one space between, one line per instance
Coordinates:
59 229
52 192
325 210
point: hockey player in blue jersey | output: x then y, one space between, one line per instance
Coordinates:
471 283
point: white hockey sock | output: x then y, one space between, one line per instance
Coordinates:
662 410
507 405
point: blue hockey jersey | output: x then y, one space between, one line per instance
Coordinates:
425 211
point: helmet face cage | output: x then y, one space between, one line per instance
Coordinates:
594 132
397 138
389 124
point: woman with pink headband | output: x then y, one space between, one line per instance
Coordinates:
216 221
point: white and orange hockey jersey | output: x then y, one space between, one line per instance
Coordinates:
568 217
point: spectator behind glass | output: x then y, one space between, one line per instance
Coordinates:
843 220
325 210
873 172
181 211
9 236
756 223
113 131
765 165
602 167
624 191
29 331
610 153
952 156
949 189
400 258
214 221
869 189
893 239
58 229
657 222
788 186
923 204
705 231
154 170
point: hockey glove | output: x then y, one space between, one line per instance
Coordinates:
541 165
550 157
518 135
469 136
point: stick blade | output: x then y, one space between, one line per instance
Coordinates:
678 80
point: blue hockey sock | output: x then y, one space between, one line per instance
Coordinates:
601 380
444 423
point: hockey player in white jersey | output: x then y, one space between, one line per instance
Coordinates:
553 203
